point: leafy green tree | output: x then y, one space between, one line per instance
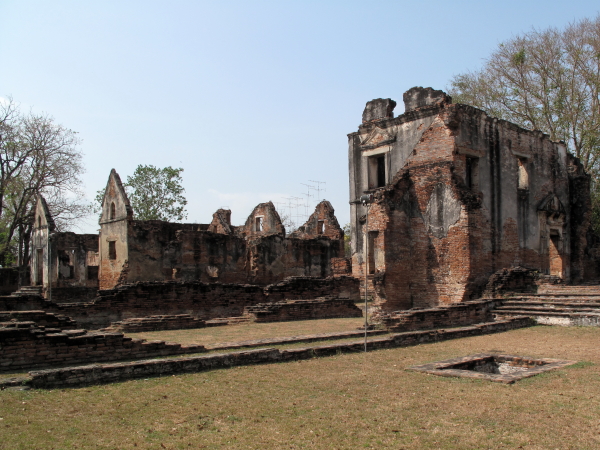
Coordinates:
154 194
546 80
157 194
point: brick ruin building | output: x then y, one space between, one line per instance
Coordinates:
457 196
257 252
65 262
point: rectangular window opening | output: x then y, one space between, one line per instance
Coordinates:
376 168
321 227
523 182
92 272
371 260
258 224
381 171
112 250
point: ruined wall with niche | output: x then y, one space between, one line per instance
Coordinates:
77 260
473 195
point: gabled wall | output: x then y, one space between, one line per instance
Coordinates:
115 222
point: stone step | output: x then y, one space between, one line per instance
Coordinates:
564 318
228 321
530 304
526 309
27 290
562 290
555 298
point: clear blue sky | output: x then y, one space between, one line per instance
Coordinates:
251 98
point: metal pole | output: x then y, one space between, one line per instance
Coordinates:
49 256
366 265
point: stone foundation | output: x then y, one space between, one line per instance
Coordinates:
320 308
457 315
517 280
156 323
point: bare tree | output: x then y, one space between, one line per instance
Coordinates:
544 80
37 156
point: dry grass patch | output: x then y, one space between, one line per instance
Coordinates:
251 331
344 402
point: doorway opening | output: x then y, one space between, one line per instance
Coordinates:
555 254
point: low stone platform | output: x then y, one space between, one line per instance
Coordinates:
156 323
320 308
41 318
106 373
459 314
25 345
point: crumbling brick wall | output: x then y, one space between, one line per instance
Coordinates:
517 280
23 303
257 252
298 288
320 308
341 266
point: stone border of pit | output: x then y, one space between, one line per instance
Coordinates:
447 368
116 372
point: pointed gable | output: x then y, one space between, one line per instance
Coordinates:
552 205
321 223
263 221
115 203
378 137
221 222
42 217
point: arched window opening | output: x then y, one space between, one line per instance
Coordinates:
112 210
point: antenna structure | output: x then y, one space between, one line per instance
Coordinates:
318 188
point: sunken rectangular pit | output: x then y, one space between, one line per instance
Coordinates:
492 367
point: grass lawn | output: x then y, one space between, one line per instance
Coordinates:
344 402
251 331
